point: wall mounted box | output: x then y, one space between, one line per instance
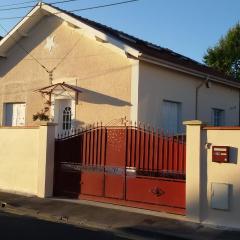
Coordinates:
220 196
220 154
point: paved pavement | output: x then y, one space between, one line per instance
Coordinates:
116 222
23 227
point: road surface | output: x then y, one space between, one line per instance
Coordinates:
22 227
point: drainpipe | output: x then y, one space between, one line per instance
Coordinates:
205 82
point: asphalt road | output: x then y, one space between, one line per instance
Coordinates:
22 227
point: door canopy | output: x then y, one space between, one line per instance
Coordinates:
59 88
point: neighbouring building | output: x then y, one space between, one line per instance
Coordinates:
78 72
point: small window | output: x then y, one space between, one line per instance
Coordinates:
218 117
14 114
172 116
67 119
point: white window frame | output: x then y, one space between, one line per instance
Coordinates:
179 115
4 116
218 120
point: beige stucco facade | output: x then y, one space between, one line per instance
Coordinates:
101 71
157 83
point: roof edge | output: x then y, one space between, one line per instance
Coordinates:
190 71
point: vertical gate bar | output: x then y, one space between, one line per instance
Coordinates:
180 155
153 150
81 154
164 152
127 147
104 159
102 147
135 146
93 147
155 153
160 144
167 154
97 145
85 148
145 151
126 160
129 135
88 147
157 150
137 156
141 149
150 148
170 166
131 146
176 155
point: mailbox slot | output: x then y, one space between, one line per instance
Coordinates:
220 154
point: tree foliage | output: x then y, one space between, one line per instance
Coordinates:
225 56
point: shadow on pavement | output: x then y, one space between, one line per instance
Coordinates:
22 227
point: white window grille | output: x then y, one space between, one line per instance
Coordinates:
67 118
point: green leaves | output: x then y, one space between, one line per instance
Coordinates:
225 56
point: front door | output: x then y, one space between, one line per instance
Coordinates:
63 115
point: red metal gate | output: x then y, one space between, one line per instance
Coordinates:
130 166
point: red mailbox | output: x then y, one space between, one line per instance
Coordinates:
220 154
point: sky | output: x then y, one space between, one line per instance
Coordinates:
188 27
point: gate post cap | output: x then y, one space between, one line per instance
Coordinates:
194 122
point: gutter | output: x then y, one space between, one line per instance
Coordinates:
167 64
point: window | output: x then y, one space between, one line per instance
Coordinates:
14 114
171 112
218 117
67 118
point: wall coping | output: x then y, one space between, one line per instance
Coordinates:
193 122
19 127
222 128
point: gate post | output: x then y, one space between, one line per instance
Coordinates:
195 172
46 160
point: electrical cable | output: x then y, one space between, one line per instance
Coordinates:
23 7
76 10
20 3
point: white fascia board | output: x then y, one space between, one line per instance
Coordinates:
186 70
15 34
106 38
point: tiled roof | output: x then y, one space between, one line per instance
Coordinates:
150 48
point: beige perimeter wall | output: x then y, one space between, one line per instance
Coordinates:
157 84
228 173
212 189
26 160
19 159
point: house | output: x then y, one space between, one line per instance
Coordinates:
57 65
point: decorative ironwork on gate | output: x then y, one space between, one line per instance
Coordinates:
148 152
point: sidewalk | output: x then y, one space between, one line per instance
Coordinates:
128 221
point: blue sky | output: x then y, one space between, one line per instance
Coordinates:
188 27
